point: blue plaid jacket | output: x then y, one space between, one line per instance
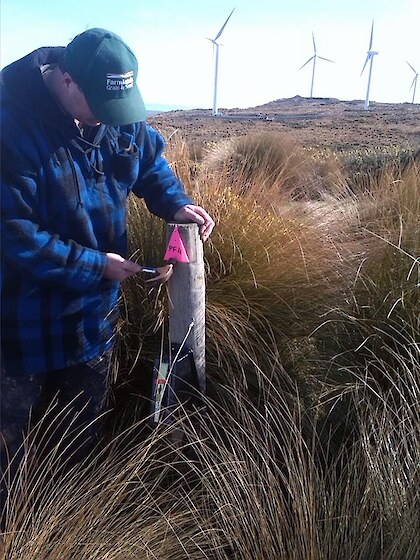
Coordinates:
63 204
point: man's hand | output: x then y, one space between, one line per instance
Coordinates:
198 215
118 268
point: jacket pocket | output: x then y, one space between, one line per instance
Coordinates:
126 167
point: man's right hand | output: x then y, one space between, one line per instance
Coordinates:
118 268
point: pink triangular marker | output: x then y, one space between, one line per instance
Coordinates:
175 251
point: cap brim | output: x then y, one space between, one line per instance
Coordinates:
119 111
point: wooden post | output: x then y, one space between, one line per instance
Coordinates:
187 298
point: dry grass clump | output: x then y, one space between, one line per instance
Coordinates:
271 166
125 502
243 483
390 213
364 166
271 277
289 494
385 305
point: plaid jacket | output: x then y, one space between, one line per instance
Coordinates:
63 204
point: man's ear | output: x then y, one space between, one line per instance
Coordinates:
67 80
69 85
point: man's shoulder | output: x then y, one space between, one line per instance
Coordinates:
143 133
16 125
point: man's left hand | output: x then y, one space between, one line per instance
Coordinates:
196 214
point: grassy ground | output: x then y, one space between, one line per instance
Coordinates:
309 445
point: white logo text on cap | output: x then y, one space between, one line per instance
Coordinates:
120 81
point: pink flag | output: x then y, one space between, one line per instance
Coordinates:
175 251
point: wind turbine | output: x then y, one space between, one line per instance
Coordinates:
314 57
216 62
414 83
369 57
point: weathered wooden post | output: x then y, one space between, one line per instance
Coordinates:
186 290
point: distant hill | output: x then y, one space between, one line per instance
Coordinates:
156 108
298 100
318 122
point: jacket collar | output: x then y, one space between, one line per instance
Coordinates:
22 87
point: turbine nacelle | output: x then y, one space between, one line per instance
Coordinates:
369 56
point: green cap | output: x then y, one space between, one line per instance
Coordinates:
105 69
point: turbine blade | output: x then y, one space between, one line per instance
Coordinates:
224 25
307 62
364 65
371 36
414 81
411 67
327 59
313 40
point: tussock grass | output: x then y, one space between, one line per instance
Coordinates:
271 166
119 504
385 306
364 166
244 483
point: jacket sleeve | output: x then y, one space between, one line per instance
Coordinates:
162 191
29 248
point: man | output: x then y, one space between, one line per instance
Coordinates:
74 145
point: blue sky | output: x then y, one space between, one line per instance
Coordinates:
263 45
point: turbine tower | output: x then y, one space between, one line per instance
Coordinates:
314 57
369 57
414 83
216 62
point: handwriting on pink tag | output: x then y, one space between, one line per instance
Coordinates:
176 250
